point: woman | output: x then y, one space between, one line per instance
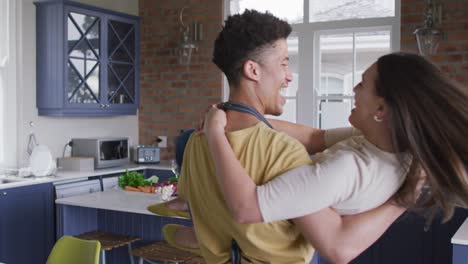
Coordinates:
399 134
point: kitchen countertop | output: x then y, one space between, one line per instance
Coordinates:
461 236
116 200
62 176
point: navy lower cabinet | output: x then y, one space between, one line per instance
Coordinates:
460 254
87 60
164 175
406 242
26 224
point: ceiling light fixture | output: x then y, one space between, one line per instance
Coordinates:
429 37
186 47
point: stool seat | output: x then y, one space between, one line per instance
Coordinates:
162 251
108 240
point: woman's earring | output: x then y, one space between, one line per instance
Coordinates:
377 119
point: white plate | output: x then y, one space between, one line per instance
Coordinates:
40 161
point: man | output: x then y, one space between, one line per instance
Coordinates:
252 52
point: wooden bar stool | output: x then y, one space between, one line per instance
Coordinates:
110 241
161 251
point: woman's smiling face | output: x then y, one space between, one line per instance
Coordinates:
366 100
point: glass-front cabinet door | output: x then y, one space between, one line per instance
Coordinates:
83 59
121 66
87 60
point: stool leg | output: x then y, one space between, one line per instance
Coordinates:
103 256
140 260
132 261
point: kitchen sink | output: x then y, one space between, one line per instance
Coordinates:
11 180
11 175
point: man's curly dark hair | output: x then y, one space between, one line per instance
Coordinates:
243 37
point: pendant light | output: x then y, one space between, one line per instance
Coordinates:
429 37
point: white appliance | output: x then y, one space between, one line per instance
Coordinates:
64 190
110 183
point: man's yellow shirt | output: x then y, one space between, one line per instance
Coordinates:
264 153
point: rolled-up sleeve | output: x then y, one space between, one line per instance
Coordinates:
335 135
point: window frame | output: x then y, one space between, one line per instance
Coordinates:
308 36
313 107
9 71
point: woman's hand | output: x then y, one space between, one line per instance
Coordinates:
201 125
215 121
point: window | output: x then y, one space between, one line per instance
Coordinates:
291 10
342 59
332 44
7 84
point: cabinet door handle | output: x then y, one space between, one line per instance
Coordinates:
108 105
103 106
4 193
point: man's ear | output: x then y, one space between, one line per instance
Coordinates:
251 70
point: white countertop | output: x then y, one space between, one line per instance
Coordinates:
70 176
461 236
116 200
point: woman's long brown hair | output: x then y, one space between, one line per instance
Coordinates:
429 120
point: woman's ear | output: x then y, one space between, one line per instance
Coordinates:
251 70
383 111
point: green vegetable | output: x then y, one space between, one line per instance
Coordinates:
153 179
173 179
132 179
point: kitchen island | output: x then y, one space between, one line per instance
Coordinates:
460 244
115 200
115 211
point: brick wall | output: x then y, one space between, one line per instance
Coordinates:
452 56
172 97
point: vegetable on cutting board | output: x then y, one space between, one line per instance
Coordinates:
145 189
132 179
135 181
153 179
128 188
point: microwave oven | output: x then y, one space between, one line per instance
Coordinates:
107 152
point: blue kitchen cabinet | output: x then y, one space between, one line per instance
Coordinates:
26 224
164 175
460 254
87 60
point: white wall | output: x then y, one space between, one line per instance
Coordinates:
51 131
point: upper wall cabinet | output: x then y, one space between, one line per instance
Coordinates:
87 60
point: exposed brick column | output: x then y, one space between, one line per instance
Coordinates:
452 56
173 97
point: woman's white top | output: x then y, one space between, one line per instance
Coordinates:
352 176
